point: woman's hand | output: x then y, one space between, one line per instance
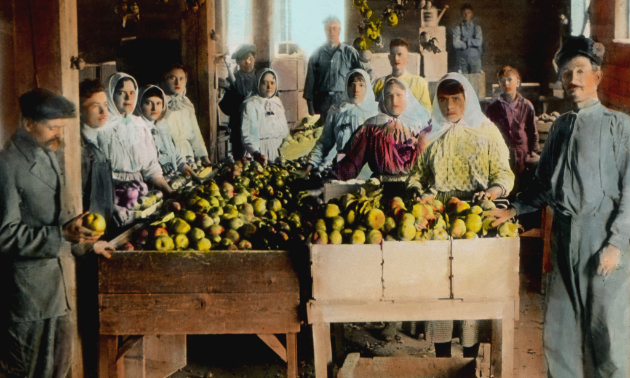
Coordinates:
489 194
262 159
205 161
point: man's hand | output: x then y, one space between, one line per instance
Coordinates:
74 232
103 248
609 258
489 194
500 215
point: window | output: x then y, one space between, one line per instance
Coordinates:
580 20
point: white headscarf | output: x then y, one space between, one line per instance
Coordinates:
114 116
138 111
473 116
415 117
367 106
272 104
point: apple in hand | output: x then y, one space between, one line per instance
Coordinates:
95 222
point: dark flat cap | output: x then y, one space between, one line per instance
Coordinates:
41 105
580 46
243 52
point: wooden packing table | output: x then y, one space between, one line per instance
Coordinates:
411 281
153 299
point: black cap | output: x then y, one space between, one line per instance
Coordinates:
575 46
41 105
243 52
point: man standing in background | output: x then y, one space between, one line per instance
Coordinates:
467 41
328 67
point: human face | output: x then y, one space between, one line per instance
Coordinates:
509 84
579 80
48 134
247 65
398 59
357 90
176 81
395 100
267 85
94 110
333 31
452 107
467 15
152 108
125 98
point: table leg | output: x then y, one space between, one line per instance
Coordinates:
507 348
322 349
292 355
108 365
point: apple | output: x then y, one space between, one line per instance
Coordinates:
181 241
95 222
164 243
159 231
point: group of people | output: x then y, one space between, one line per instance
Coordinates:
444 148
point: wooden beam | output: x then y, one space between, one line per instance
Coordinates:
272 342
129 343
263 37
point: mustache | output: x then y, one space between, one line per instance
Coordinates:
57 142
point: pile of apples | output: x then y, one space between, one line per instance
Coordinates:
247 206
468 222
368 218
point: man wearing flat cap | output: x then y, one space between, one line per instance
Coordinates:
35 332
242 84
584 175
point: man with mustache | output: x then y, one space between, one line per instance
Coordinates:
35 331
584 175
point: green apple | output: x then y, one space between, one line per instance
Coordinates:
95 222
181 241
164 243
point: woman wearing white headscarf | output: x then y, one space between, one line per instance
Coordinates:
466 158
391 141
126 140
264 123
181 118
152 109
357 106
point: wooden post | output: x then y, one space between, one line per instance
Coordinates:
263 37
198 51
45 40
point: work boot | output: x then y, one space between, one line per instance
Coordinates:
389 332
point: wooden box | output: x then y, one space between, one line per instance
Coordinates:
350 273
143 293
486 269
336 188
416 270
407 367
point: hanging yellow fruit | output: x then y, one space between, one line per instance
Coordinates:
392 20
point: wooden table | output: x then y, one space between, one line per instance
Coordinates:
159 297
410 281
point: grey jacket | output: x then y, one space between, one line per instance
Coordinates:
30 233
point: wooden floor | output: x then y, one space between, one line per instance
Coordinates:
233 356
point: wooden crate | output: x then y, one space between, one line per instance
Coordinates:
336 188
347 272
159 297
486 269
415 270
356 366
